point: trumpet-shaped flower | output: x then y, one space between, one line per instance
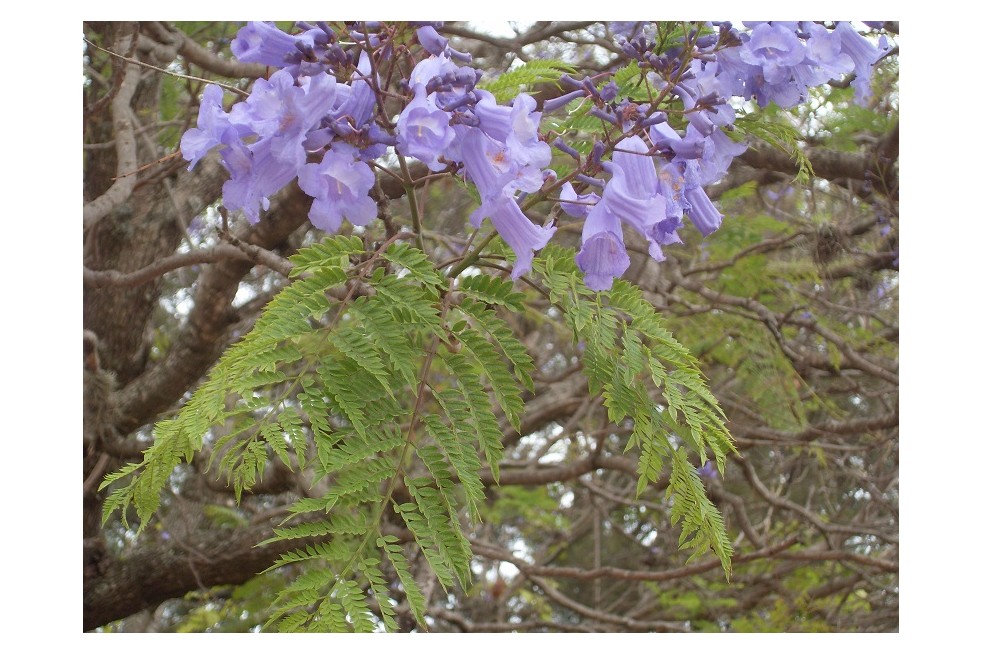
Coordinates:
494 170
497 176
424 130
285 114
263 43
522 235
256 174
633 193
864 56
576 204
339 185
602 257
516 126
776 49
213 122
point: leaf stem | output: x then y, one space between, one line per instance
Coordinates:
407 181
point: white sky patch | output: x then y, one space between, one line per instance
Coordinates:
179 304
501 28
557 452
508 571
243 295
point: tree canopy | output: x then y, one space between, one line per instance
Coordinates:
322 392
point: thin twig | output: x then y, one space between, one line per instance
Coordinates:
137 62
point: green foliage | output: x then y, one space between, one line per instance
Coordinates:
775 129
630 82
626 348
388 398
524 78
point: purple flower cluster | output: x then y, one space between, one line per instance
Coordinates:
779 61
652 186
449 121
318 119
264 141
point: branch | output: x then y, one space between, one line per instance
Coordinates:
259 255
205 333
166 265
820 522
884 371
576 573
828 164
125 139
155 572
822 555
812 432
469 626
196 54
546 474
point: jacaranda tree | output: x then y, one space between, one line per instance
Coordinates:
588 327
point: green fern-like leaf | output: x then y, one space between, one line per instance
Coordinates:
471 408
538 71
494 291
500 378
778 132
626 347
389 400
501 335
702 524
414 595
417 265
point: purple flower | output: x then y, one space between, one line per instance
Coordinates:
522 235
762 67
825 58
452 83
432 67
497 176
431 41
774 48
773 65
718 152
494 170
706 87
308 53
671 185
575 204
863 54
702 212
284 113
213 122
358 104
339 185
708 470
516 126
255 175
681 183
691 146
624 28
424 130
556 103
632 194
602 257
263 43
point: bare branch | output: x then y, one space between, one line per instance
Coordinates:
125 140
